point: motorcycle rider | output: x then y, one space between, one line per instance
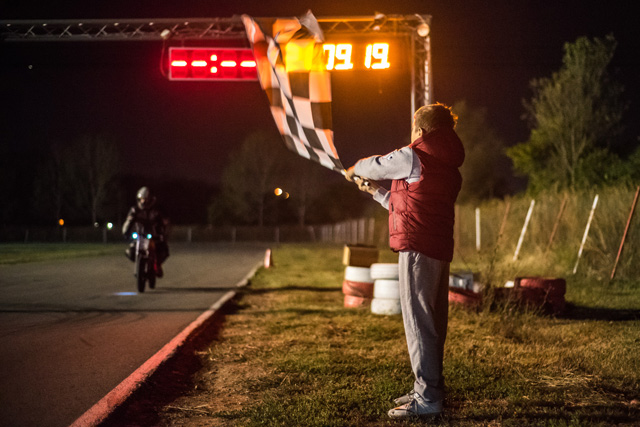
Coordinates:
144 217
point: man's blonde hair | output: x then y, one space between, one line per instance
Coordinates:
434 116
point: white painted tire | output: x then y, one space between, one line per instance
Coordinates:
384 271
386 289
358 274
385 306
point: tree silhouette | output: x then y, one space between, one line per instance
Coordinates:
575 114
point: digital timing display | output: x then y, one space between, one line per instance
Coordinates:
347 56
202 63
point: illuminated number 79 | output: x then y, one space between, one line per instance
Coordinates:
379 52
339 56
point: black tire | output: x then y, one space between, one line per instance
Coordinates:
142 273
152 278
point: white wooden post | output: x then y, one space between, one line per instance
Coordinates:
478 239
586 232
524 229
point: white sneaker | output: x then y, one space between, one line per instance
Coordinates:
402 400
417 407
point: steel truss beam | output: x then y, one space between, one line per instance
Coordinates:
414 27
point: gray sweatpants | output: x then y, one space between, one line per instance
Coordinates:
424 287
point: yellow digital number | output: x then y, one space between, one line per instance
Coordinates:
343 53
330 50
379 52
338 56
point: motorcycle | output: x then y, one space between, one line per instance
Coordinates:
145 260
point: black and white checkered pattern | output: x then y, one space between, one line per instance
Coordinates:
300 100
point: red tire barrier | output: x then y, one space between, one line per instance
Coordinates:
544 292
536 292
356 302
357 289
550 286
465 297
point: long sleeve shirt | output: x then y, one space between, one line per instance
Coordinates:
399 164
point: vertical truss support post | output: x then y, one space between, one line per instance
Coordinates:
421 79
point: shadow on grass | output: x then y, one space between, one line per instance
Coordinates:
576 312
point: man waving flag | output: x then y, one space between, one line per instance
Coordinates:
291 71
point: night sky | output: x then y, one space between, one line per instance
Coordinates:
483 52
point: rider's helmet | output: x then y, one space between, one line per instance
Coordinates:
144 198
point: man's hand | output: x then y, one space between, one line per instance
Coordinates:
350 174
367 185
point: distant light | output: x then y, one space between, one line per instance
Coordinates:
96 225
134 235
277 191
109 225
286 195
61 222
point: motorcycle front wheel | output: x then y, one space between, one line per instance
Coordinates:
152 279
142 273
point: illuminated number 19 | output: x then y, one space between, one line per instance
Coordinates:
380 52
341 53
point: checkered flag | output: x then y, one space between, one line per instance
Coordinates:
297 84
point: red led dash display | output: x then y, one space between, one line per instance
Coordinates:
211 64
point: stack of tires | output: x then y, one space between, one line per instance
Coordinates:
386 292
357 287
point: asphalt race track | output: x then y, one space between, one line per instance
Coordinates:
70 331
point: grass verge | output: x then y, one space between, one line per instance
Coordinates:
290 355
18 253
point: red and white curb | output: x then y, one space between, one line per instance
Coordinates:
99 412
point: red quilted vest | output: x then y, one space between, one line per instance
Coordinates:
421 214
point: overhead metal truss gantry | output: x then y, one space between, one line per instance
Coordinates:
414 28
